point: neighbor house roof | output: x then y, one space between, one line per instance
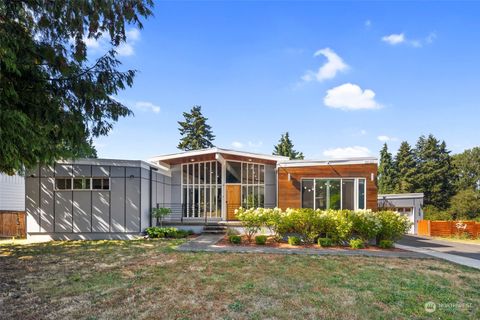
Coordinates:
400 196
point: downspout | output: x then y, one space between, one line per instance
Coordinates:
151 195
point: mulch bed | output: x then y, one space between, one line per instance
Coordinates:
284 244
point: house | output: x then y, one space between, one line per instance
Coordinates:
101 198
408 204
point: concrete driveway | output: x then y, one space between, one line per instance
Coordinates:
471 251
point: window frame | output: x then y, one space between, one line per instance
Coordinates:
90 183
356 190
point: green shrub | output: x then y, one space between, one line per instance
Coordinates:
325 242
294 241
386 244
252 220
235 239
261 240
357 244
393 225
365 224
166 232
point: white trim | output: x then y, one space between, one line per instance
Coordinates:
195 153
401 196
336 162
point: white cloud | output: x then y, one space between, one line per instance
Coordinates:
368 24
400 38
350 96
385 138
237 144
249 144
102 44
394 39
329 70
347 152
147 106
363 132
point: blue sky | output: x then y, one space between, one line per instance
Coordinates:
341 77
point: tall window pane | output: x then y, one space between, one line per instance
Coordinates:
219 201
185 173
334 194
208 171
233 172
307 193
261 196
219 173
190 173
348 194
256 173
244 173
262 174
245 197
361 194
201 173
250 173
321 195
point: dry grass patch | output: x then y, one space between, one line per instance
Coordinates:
148 279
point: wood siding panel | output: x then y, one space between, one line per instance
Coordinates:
289 192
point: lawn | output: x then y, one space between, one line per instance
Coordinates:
149 279
453 239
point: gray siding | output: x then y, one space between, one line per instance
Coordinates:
117 203
32 203
125 208
100 211
82 211
47 204
62 213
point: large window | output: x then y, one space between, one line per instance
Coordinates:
333 193
253 185
202 189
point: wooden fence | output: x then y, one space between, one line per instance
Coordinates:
447 228
12 224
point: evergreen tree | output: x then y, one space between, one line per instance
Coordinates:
285 148
53 99
467 169
406 169
196 133
435 171
386 172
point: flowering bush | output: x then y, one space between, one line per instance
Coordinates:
393 225
338 225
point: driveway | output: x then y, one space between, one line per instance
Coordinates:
471 251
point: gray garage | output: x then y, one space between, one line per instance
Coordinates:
409 204
94 198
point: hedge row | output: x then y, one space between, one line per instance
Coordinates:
339 225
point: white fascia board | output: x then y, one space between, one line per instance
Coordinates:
217 150
400 196
333 162
112 162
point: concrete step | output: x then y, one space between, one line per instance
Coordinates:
213 231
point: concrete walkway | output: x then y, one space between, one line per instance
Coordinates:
460 253
207 243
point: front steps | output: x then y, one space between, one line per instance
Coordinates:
214 229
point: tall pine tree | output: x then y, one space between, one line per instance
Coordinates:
386 172
406 169
435 171
285 148
196 133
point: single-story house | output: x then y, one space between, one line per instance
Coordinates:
409 204
106 199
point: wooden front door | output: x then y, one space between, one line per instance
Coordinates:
233 200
